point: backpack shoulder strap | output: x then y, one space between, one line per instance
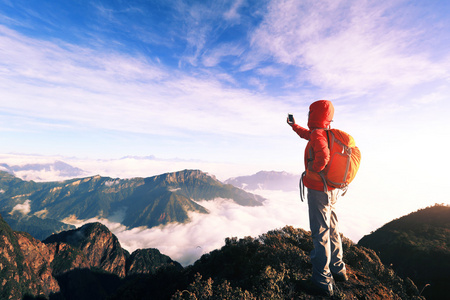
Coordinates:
302 186
328 138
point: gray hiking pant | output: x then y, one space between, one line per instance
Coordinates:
326 256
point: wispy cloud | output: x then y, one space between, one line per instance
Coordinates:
219 54
81 87
232 13
347 45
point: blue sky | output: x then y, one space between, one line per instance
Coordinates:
208 84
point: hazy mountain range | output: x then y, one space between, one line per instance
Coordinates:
263 180
38 171
39 207
266 180
149 202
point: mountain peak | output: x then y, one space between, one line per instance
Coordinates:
183 176
85 263
151 201
417 246
101 247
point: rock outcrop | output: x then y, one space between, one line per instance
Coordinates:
101 248
25 265
149 261
84 263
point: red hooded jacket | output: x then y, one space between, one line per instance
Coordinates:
317 153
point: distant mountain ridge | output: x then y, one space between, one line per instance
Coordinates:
149 202
266 180
34 171
417 246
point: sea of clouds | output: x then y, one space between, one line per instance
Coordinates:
186 243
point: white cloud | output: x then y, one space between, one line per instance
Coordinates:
215 56
24 159
433 97
185 243
232 13
71 88
41 175
347 45
271 71
141 167
111 182
23 208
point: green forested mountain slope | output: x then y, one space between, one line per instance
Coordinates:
147 202
417 246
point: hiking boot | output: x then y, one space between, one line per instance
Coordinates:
313 288
340 277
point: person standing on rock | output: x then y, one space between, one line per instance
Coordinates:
326 257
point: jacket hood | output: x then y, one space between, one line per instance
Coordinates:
320 114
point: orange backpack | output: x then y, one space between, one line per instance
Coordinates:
344 162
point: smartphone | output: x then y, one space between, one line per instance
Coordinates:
291 118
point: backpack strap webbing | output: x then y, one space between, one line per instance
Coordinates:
302 186
325 186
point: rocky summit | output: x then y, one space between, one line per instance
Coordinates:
101 249
89 263
85 263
